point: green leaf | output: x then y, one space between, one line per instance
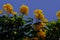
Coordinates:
13 19
24 22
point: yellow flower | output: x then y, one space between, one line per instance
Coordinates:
42 33
39 26
8 7
14 13
24 9
42 24
58 14
39 14
1 11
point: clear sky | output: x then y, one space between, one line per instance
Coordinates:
49 7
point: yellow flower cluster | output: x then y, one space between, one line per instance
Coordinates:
40 26
8 7
58 14
39 15
24 9
42 33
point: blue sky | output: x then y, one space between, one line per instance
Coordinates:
49 7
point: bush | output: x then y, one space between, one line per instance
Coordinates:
16 27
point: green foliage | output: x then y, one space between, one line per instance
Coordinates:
17 28
53 32
14 28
